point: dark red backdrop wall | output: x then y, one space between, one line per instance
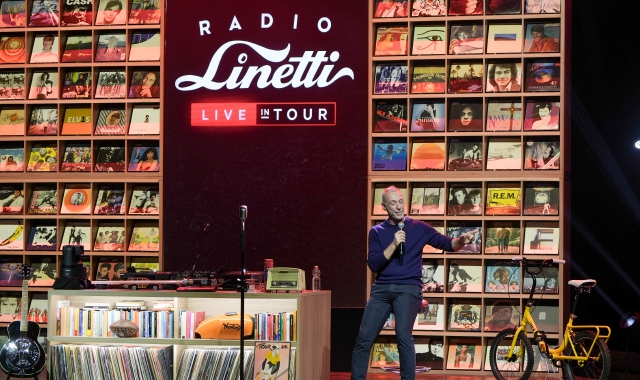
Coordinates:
305 186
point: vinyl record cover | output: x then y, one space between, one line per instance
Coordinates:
145 200
12 48
145 12
504 153
112 12
542 115
542 6
77 48
11 159
542 37
44 13
77 85
271 359
45 49
145 263
77 158
391 116
428 117
503 237
109 269
541 198
428 78
76 13
465 115
11 199
377 195
501 362
44 274
504 38
112 47
429 39
438 226
13 86
428 154
429 352
77 232
12 122
503 7
427 199
504 76
503 199
11 237
384 354
432 278
11 275
145 84
430 317
390 79
110 237
466 38
144 159
464 353
504 115
391 8
111 121
502 277
465 276
110 201
389 154
111 85
43 121
12 14
427 8
464 315
77 121
546 281
542 155
145 237
145 46
500 314
110 159
44 85
456 228
42 238
391 40
43 158
459 199
465 154
44 200
546 315
465 77
543 76
76 199
145 120
461 8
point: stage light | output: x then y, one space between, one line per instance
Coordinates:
630 320
637 144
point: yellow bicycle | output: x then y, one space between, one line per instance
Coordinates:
582 354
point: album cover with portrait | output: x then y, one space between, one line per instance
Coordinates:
541 198
428 154
428 78
465 115
43 158
432 278
44 85
77 85
504 76
504 38
145 12
390 78
42 238
429 39
430 317
542 76
112 47
504 153
12 121
45 49
546 281
391 40
11 235
465 154
77 13
378 189
111 85
391 116
145 84
455 228
77 48
11 199
504 115
427 198
428 117
541 238
389 154
111 121
542 153
15 87
465 314
384 352
542 37
462 8
77 157
459 198
429 351
12 48
43 121
391 8
502 277
542 114
110 159
465 77
44 13
77 121
145 120
542 6
465 276
144 159
109 237
145 46
503 198
109 268
11 158
503 7
145 237
12 13
437 225
77 232
145 200
43 201
500 314
112 12
76 199
110 200
502 237
466 38
428 8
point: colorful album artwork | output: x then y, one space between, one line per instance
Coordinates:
428 154
464 353
503 38
391 8
111 121
43 121
12 14
462 8
44 13
109 201
390 79
504 153
543 76
465 154
145 237
464 315
541 198
145 120
44 200
428 117
504 76
42 238
391 40
43 158
11 200
111 85
77 85
430 317
112 47
12 85
77 48
542 115
427 199
428 8
458 228
466 38
503 237
110 268
465 76
145 200
541 238
145 46
438 226
465 115
77 121
145 12
542 6
44 85
504 115
502 277
546 281
112 12
465 276
428 78
542 155
503 7
542 37
12 121
464 199
389 154
110 237
76 199
11 158
77 158
384 354
11 236
12 49
503 199
500 314
145 84
110 159
77 232
429 39
144 159
45 49
391 116
76 13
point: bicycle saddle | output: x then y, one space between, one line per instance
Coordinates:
589 283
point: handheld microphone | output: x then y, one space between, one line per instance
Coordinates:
401 247
243 213
206 227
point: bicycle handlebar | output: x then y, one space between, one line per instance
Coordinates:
544 262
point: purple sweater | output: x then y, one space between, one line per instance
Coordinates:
409 269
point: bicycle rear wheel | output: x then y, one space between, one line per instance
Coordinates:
598 366
519 365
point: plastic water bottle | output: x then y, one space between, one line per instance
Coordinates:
315 282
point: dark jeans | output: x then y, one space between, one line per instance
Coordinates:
402 300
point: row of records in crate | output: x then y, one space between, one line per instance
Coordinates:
108 236
466 153
80 157
465 198
503 37
467 76
103 83
467 115
430 8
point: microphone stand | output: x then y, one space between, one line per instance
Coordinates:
242 244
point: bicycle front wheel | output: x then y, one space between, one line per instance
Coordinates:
597 366
517 366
